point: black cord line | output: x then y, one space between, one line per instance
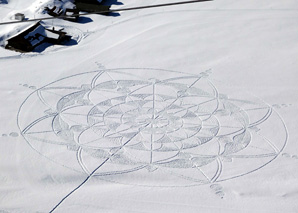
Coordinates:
103 12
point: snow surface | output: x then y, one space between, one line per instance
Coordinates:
190 108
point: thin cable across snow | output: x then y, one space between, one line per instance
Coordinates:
107 11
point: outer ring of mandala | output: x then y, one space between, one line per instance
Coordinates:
175 126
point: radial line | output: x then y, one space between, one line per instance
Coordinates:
94 171
152 125
178 97
203 173
270 143
139 106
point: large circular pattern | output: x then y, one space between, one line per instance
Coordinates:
150 127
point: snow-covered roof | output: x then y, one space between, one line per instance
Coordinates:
25 29
50 34
38 34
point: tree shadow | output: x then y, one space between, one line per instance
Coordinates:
110 3
80 19
42 47
70 42
112 14
84 20
3 2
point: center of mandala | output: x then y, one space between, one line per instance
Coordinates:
162 124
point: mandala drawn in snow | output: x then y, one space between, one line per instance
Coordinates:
169 129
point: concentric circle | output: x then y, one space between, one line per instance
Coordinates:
150 127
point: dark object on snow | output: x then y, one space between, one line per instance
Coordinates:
91 6
19 16
88 1
35 35
3 2
72 14
54 11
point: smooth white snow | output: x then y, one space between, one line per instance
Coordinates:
221 74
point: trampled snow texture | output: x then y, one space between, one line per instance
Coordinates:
79 136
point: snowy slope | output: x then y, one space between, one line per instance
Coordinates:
189 108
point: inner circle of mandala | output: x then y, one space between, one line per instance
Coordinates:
118 125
